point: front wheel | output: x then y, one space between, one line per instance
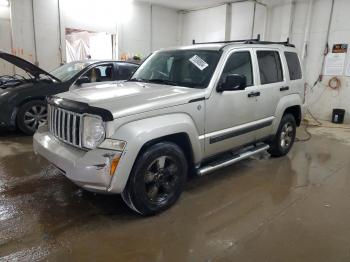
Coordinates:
157 179
284 138
31 115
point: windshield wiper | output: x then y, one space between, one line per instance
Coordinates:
156 81
137 80
163 81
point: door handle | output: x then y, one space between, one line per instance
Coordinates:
284 88
252 94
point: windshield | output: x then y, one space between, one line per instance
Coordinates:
67 71
189 68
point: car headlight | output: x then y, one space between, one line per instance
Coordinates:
93 132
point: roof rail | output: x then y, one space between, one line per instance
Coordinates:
226 42
247 41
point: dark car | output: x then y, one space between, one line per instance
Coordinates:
22 97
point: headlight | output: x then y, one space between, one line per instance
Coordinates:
93 132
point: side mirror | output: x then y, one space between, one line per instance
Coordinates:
82 80
233 82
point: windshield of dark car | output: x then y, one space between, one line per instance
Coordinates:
67 71
189 68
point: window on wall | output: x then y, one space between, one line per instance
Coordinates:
293 65
239 63
270 67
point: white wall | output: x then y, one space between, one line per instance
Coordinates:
242 20
22 29
5 38
47 33
165 27
141 28
135 35
204 25
226 22
321 99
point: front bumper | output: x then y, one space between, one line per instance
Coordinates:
88 169
8 117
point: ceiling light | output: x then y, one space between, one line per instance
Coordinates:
4 3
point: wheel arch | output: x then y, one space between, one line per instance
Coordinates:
180 139
177 128
296 112
24 101
288 104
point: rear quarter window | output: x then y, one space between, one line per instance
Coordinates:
293 65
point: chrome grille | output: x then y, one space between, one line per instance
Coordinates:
65 125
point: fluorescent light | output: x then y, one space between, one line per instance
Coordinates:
4 3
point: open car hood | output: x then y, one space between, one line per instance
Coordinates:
26 66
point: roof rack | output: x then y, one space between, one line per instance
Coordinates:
247 41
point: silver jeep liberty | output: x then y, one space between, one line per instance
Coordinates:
188 110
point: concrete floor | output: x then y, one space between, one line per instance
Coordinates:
294 208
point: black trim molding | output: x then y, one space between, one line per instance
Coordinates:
80 107
239 132
196 100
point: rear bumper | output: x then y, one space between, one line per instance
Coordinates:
303 111
87 169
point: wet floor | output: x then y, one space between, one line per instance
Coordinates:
295 208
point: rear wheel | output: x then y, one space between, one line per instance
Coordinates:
31 115
284 138
157 179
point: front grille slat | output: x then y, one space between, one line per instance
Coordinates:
65 125
74 128
68 128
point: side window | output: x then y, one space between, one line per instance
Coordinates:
125 71
270 67
293 65
239 63
100 73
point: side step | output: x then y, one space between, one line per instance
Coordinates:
211 167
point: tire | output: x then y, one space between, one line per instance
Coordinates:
284 138
30 115
157 179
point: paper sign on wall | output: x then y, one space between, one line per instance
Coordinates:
198 62
334 64
347 68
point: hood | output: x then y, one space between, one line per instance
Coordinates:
128 98
26 66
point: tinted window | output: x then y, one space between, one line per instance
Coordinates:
293 65
100 73
239 63
125 71
270 67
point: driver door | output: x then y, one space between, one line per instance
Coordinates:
96 74
229 114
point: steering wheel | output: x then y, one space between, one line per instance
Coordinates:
160 73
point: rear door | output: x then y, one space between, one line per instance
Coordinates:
271 81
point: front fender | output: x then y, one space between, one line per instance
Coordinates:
139 132
284 103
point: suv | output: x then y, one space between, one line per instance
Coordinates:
189 110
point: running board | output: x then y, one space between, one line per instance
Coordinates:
211 167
